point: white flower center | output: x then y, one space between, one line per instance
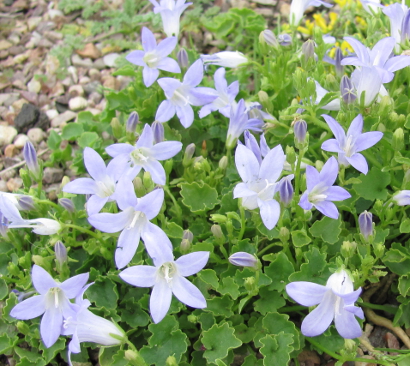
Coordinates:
167 270
151 59
138 216
140 156
180 98
106 187
318 193
54 298
349 147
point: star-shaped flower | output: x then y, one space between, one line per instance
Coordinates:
348 145
154 58
320 191
53 302
336 302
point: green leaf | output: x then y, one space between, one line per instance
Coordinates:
173 230
218 341
270 234
3 289
300 238
330 340
112 356
209 276
230 287
72 131
54 140
199 197
279 271
7 343
220 306
135 316
166 340
24 353
397 259
127 70
104 293
275 323
373 185
88 139
10 303
405 226
251 360
404 285
277 347
50 353
270 300
328 229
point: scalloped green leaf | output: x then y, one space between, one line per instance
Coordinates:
199 197
275 323
218 340
327 229
230 287
279 271
277 347
300 238
373 185
220 306
104 293
269 300
209 276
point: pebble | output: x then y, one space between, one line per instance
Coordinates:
20 141
5 45
27 117
76 91
9 173
34 86
7 99
11 151
3 186
36 135
94 74
79 62
77 103
92 87
73 73
95 97
265 2
53 175
111 83
7 134
63 118
109 60
89 51
33 22
99 64
14 184
51 113
84 80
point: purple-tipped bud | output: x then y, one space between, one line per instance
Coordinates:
243 259
158 132
26 203
285 39
300 128
186 242
405 27
308 49
189 151
67 204
182 57
132 122
366 224
338 59
30 156
286 190
347 90
61 252
270 38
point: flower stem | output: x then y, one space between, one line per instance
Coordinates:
83 230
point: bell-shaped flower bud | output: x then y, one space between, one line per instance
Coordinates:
132 122
61 253
158 132
182 57
398 139
26 203
186 242
366 224
308 49
218 234
269 38
286 190
338 59
285 39
243 259
405 27
347 90
30 156
348 249
189 153
223 163
300 128
67 204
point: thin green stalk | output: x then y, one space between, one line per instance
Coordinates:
83 230
386 308
243 219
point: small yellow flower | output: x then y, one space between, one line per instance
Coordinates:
343 3
361 22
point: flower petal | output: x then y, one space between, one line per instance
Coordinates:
272 165
125 193
29 308
346 323
185 115
160 300
194 74
127 245
337 130
136 58
358 162
242 190
331 145
304 202
312 178
117 149
397 63
328 209
165 111
74 285
356 127
192 263
336 193
156 170
140 276
166 46
157 243
149 42
368 139
81 186
149 75
270 212
42 280
50 326
95 204
111 223
151 203
321 317
94 164
329 172
166 150
306 293
188 293
247 164
360 50
169 64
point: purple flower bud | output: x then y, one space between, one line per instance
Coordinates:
3 225
243 259
186 242
132 122
286 189
26 203
30 156
347 90
270 38
158 132
182 57
285 39
405 26
308 49
366 224
189 152
67 204
188 235
300 128
338 59
61 252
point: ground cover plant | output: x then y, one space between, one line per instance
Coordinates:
237 207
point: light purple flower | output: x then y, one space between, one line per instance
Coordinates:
336 62
225 59
170 11
285 189
254 110
144 155
336 302
399 22
320 191
333 105
371 6
348 145
102 184
243 259
226 95
298 7
378 57
167 277
402 198
181 95
14 220
53 302
133 222
154 58
30 156
85 326
259 182
347 90
251 143
239 122
368 85
366 224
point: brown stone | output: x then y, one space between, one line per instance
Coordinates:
89 51
14 184
10 151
